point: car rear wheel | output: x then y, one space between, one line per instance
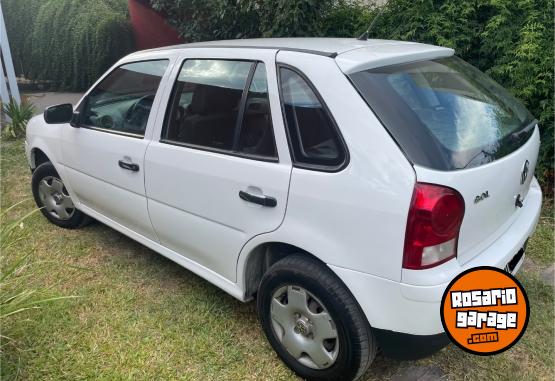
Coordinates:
313 322
52 197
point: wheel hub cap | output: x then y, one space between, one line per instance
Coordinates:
55 198
304 327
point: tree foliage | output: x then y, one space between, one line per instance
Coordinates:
68 42
223 19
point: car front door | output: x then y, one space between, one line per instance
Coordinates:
104 157
219 173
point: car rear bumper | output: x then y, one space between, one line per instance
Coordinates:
403 346
412 306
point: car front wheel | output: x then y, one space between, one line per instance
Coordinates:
52 197
313 322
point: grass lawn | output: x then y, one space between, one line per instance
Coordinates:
141 316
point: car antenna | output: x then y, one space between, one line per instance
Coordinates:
365 35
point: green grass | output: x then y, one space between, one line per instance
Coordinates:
141 316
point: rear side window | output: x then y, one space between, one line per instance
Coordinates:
122 101
222 105
313 137
445 114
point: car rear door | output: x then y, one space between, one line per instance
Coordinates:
218 172
103 158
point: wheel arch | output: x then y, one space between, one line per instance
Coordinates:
261 257
38 157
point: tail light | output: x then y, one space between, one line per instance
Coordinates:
433 226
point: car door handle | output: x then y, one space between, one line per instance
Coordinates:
129 166
256 199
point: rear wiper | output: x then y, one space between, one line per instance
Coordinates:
482 152
525 131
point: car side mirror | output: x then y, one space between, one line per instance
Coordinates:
59 114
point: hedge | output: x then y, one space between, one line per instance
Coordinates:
68 42
511 40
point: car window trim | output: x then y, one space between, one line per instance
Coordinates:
114 132
240 115
221 151
342 145
85 102
242 106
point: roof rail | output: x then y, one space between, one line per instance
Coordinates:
281 48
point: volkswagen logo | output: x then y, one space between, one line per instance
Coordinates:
524 174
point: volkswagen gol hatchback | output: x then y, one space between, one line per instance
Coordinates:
341 183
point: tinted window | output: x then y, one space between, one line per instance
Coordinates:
257 135
314 139
206 103
445 113
122 101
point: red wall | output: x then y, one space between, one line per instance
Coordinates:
150 28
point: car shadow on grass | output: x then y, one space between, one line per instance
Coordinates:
147 266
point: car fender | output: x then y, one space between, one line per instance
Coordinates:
47 138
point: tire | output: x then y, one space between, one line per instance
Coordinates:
280 293
54 201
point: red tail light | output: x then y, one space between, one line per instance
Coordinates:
433 226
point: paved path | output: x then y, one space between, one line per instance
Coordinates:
43 100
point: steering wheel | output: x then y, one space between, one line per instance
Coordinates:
137 115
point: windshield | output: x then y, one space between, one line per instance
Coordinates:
445 114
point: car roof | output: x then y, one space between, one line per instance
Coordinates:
351 54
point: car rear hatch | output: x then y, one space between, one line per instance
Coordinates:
461 130
494 194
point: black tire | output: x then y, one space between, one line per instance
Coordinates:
357 346
45 171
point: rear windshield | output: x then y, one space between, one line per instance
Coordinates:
444 113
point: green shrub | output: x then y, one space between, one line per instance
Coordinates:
68 42
293 18
348 19
198 20
19 115
202 20
19 16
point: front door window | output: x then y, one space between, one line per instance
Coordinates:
122 101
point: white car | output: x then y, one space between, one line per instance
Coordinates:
342 183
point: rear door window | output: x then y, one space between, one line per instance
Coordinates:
445 114
208 95
222 105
